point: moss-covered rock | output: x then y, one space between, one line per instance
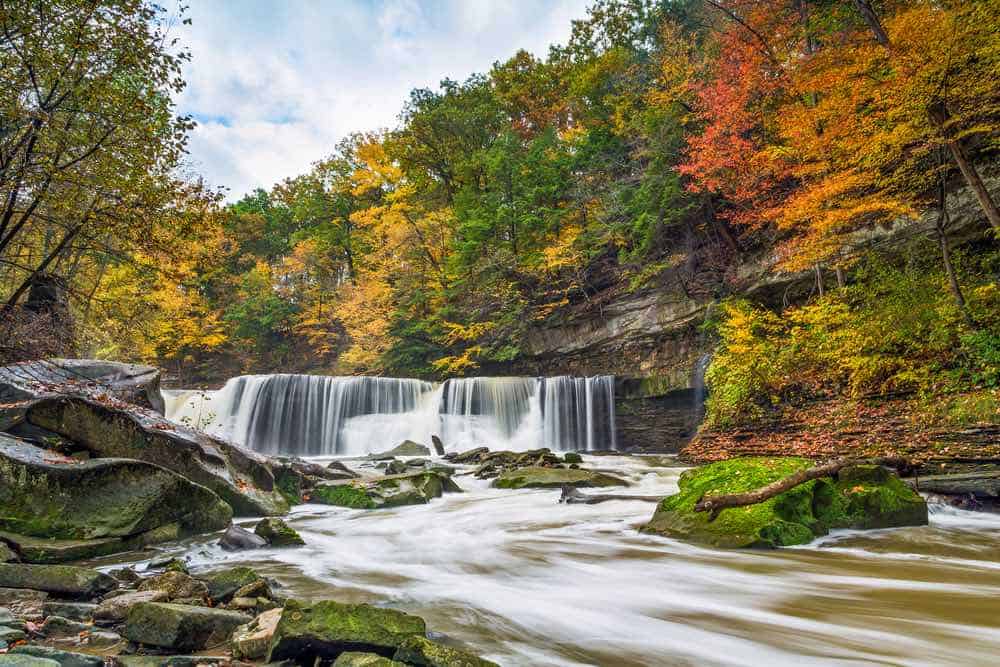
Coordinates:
44 494
861 497
177 585
222 586
65 580
27 661
180 627
405 448
7 555
115 609
61 658
413 488
572 457
326 629
554 478
278 533
356 659
422 651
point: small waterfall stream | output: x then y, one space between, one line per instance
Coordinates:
312 415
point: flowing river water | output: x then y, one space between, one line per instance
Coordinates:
523 580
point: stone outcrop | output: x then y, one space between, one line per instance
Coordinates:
554 478
412 488
66 580
180 627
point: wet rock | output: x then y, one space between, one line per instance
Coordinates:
295 477
438 445
278 533
115 609
356 659
169 564
981 485
56 627
241 478
572 457
422 651
412 488
223 585
252 640
126 575
62 658
470 456
7 554
860 497
396 468
174 661
180 627
176 585
326 629
10 635
17 660
7 618
553 478
103 640
24 603
257 589
75 611
45 494
51 551
405 448
66 580
241 539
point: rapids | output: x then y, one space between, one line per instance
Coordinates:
523 580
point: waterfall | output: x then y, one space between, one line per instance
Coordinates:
310 415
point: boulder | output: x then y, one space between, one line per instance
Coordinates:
860 497
48 551
57 627
982 484
180 627
131 383
356 659
23 602
62 658
241 539
45 494
252 640
75 611
572 457
223 585
17 660
115 609
10 635
7 555
396 468
405 448
67 580
107 429
174 661
469 456
326 629
412 488
177 586
554 478
422 651
294 476
438 445
278 533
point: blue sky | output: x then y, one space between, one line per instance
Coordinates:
274 84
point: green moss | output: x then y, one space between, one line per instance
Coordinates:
289 485
422 651
861 497
222 585
343 495
550 478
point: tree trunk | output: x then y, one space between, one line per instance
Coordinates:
941 226
864 8
819 279
939 114
840 277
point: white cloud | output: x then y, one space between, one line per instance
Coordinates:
276 84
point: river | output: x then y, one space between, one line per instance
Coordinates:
523 580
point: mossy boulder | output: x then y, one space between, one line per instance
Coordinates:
67 580
44 494
412 488
61 658
422 651
572 457
222 586
326 629
27 661
860 497
405 448
554 478
278 533
180 627
357 659
177 585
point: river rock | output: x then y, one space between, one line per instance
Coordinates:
473 455
75 611
438 445
7 554
422 651
62 658
241 478
10 635
405 448
861 497
241 539
45 494
554 478
56 627
115 609
412 488
278 533
356 659
572 457
131 383
23 602
223 585
985 484
177 586
396 467
66 580
180 627
326 629
252 640
175 661
17 660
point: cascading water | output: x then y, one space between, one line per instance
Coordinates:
309 415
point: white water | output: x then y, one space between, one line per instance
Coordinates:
524 581
310 415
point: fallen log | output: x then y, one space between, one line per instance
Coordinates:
572 496
715 503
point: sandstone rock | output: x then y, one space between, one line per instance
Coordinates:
422 651
62 579
56 627
23 602
241 539
116 608
132 383
180 627
252 640
176 585
326 629
554 478
278 533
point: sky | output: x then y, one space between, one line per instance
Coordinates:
275 84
